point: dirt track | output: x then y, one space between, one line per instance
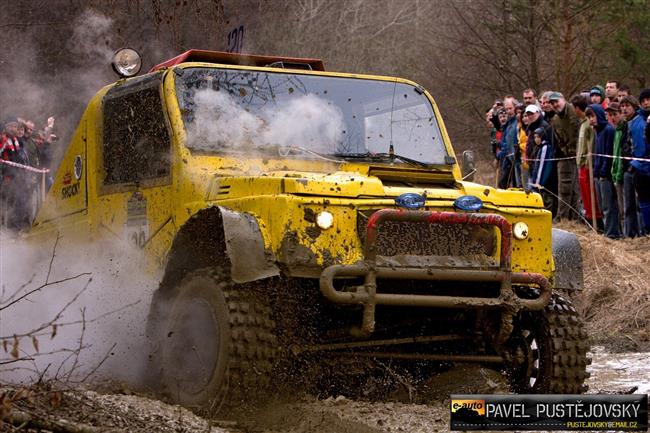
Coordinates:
119 411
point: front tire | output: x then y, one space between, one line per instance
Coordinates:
552 347
217 344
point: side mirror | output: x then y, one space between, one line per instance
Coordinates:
468 168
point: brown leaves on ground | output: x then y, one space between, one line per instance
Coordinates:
49 407
616 299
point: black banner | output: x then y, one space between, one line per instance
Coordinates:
549 412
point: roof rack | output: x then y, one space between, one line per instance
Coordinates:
241 59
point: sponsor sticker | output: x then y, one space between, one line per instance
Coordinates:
70 191
78 167
137 226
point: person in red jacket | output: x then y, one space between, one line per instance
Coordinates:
15 213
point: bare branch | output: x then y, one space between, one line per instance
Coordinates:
49 269
91 372
58 315
42 286
18 290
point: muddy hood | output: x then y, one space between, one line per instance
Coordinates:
355 185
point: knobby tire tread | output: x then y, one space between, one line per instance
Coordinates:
564 357
252 349
570 344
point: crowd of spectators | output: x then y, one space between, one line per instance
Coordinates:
26 156
588 157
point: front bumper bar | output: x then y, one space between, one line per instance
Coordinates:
367 295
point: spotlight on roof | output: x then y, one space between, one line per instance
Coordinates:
126 62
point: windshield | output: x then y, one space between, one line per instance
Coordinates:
239 111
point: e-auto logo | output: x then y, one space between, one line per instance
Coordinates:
463 409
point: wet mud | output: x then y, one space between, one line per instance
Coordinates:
123 411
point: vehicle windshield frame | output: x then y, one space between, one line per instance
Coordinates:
290 93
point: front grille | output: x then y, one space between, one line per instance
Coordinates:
398 238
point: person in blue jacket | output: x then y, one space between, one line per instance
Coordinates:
543 178
641 149
509 161
604 149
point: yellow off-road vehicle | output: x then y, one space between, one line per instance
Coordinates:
299 213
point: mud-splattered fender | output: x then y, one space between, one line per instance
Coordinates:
568 261
218 236
245 247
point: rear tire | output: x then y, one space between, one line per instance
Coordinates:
217 344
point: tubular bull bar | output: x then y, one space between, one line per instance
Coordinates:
366 294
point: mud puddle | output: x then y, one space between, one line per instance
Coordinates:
619 372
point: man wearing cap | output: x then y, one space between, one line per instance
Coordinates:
545 105
641 150
586 137
597 95
535 120
566 126
629 105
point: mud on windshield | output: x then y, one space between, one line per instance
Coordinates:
239 111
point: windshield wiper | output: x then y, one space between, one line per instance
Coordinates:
385 157
285 151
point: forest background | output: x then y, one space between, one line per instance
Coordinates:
56 53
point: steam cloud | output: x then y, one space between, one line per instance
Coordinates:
26 93
116 281
92 37
304 121
114 306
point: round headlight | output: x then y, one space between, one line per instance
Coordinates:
324 220
126 62
520 230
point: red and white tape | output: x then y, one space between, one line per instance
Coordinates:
592 154
25 167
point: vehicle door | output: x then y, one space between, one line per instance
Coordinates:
134 184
